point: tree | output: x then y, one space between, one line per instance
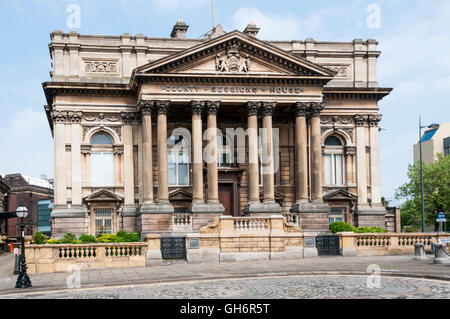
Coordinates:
436 185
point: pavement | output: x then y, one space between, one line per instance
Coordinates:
323 277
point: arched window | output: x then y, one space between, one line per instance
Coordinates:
178 157
334 161
102 161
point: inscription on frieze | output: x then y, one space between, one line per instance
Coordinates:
232 89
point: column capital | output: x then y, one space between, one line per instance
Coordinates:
74 117
162 107
374 119
300 109
252 108
360 120
197 107
267 108
315 108
212 107
127 117
145 107
59 116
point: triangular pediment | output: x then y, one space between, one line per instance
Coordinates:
339 194
103 196
235 54
180 195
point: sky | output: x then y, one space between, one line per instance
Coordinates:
414 37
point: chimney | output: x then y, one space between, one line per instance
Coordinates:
179 30
251 29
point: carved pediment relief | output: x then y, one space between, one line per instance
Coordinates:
339 194
235 53
278 196
103 196
180 195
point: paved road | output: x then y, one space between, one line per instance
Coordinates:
196 278
291 287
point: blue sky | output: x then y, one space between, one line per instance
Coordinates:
414 39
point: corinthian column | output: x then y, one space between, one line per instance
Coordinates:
145 108
316 153
213 179
267 109
253 162
300 111
162 108
361 169
197 152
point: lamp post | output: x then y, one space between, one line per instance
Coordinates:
23 281
422 202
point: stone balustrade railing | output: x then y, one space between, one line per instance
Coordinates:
58 258
182 222
248 223
352 244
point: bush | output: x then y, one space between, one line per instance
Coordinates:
370 230
409 229
39 238
106 238
68 238
87 239
52 241
338 227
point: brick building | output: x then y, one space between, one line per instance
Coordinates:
29 192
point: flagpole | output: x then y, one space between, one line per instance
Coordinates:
213 14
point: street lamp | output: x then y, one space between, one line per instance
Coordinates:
421 169
23 281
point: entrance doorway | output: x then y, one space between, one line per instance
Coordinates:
228 197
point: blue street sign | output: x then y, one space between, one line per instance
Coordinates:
441 215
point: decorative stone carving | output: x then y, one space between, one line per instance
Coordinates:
336 119
212 107
360 120
197 107
102 117
342 70
100 67
374 119
252 108
162 107
74 117
127 117
59 116
267 108
145 107
300 109
315 108
233 62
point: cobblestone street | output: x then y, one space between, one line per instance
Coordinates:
334 277
298 287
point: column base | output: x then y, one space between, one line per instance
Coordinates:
205 208
156 208
65 220
370 216
262 208
313 216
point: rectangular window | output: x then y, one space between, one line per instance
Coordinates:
102 169
103 221
44 220
334 169
178 169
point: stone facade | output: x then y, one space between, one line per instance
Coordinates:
139 91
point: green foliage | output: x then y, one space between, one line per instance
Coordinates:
409 229
52 241
369 230
338 227
68 238
124 237
87 239
436 182
39 238
106 238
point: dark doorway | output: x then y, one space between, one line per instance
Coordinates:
227 196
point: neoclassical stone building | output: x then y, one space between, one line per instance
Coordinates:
134 119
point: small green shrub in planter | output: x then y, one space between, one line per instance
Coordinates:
39 238
106 238
370 230
87 239
338 227
409 229
68 238
52 241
